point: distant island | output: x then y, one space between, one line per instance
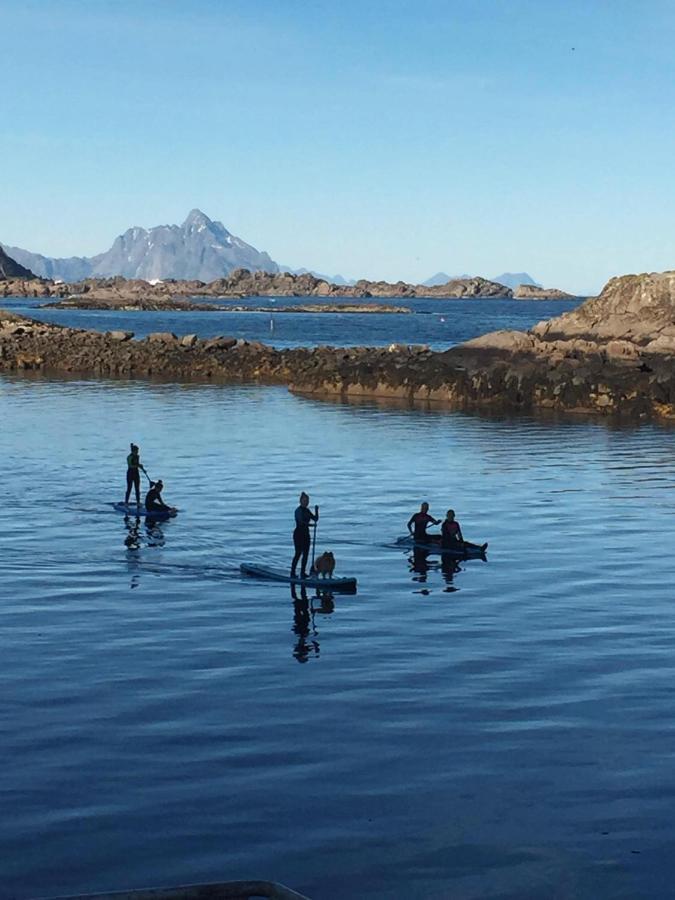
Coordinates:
118 292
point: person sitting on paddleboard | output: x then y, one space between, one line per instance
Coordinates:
301 539
452 537
421 522
153 499
134 474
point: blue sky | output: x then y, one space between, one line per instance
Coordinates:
377 139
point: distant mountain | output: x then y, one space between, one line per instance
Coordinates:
73 268
198 249
513 279
443 278
10 268
331 279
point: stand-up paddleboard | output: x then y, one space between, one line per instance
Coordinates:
407 543
130 509
333 584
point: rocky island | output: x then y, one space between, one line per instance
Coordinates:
614 354
173 304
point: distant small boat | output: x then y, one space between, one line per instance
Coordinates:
130 509
407 543
272 574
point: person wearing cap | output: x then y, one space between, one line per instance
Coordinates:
153 499
134 474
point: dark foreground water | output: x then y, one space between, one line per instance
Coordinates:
438 323
504 731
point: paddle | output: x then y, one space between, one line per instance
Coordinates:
316 525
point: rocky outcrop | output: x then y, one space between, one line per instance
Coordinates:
243 283
172 304
613 355
534 292
10 269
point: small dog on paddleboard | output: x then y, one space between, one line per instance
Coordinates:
324 565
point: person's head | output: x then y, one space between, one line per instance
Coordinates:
159 485
450 514
304 499
424 507
134 448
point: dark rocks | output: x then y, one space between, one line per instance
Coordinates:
613 355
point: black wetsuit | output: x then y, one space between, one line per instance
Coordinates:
301 537
133 476
451 536
420 522
154 502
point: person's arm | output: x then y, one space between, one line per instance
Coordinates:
410 521
460 536
314 515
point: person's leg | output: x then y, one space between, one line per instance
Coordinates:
297 543
137 486
130 481
305 554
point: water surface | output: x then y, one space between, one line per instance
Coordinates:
506 730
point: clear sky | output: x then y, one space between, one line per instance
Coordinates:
365 137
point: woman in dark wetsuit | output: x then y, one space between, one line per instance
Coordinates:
153 499
421 522
452 537
301 539
134 475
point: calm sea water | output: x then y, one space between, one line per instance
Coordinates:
503 731
438 323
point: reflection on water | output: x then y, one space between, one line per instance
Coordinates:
514 740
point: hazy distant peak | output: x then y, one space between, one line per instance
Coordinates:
513 279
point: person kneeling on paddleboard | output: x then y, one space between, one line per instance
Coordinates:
301 539
153 499
134 474
452 538
421 522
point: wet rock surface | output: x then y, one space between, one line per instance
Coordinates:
613 355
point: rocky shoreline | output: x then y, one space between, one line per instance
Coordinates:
613 355
242 283
175 305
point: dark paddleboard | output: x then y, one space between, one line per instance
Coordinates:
407 543
130 509
272 574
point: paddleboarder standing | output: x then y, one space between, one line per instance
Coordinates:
304 518
134 467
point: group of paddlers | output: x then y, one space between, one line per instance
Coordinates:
153 498
450 538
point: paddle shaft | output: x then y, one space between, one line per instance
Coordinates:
316 525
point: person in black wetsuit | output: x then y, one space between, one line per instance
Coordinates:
418 524
452 537
153 499
134 474
301 539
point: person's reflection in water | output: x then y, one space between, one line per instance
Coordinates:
155 533
303 626
419 563
449 567
132 541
